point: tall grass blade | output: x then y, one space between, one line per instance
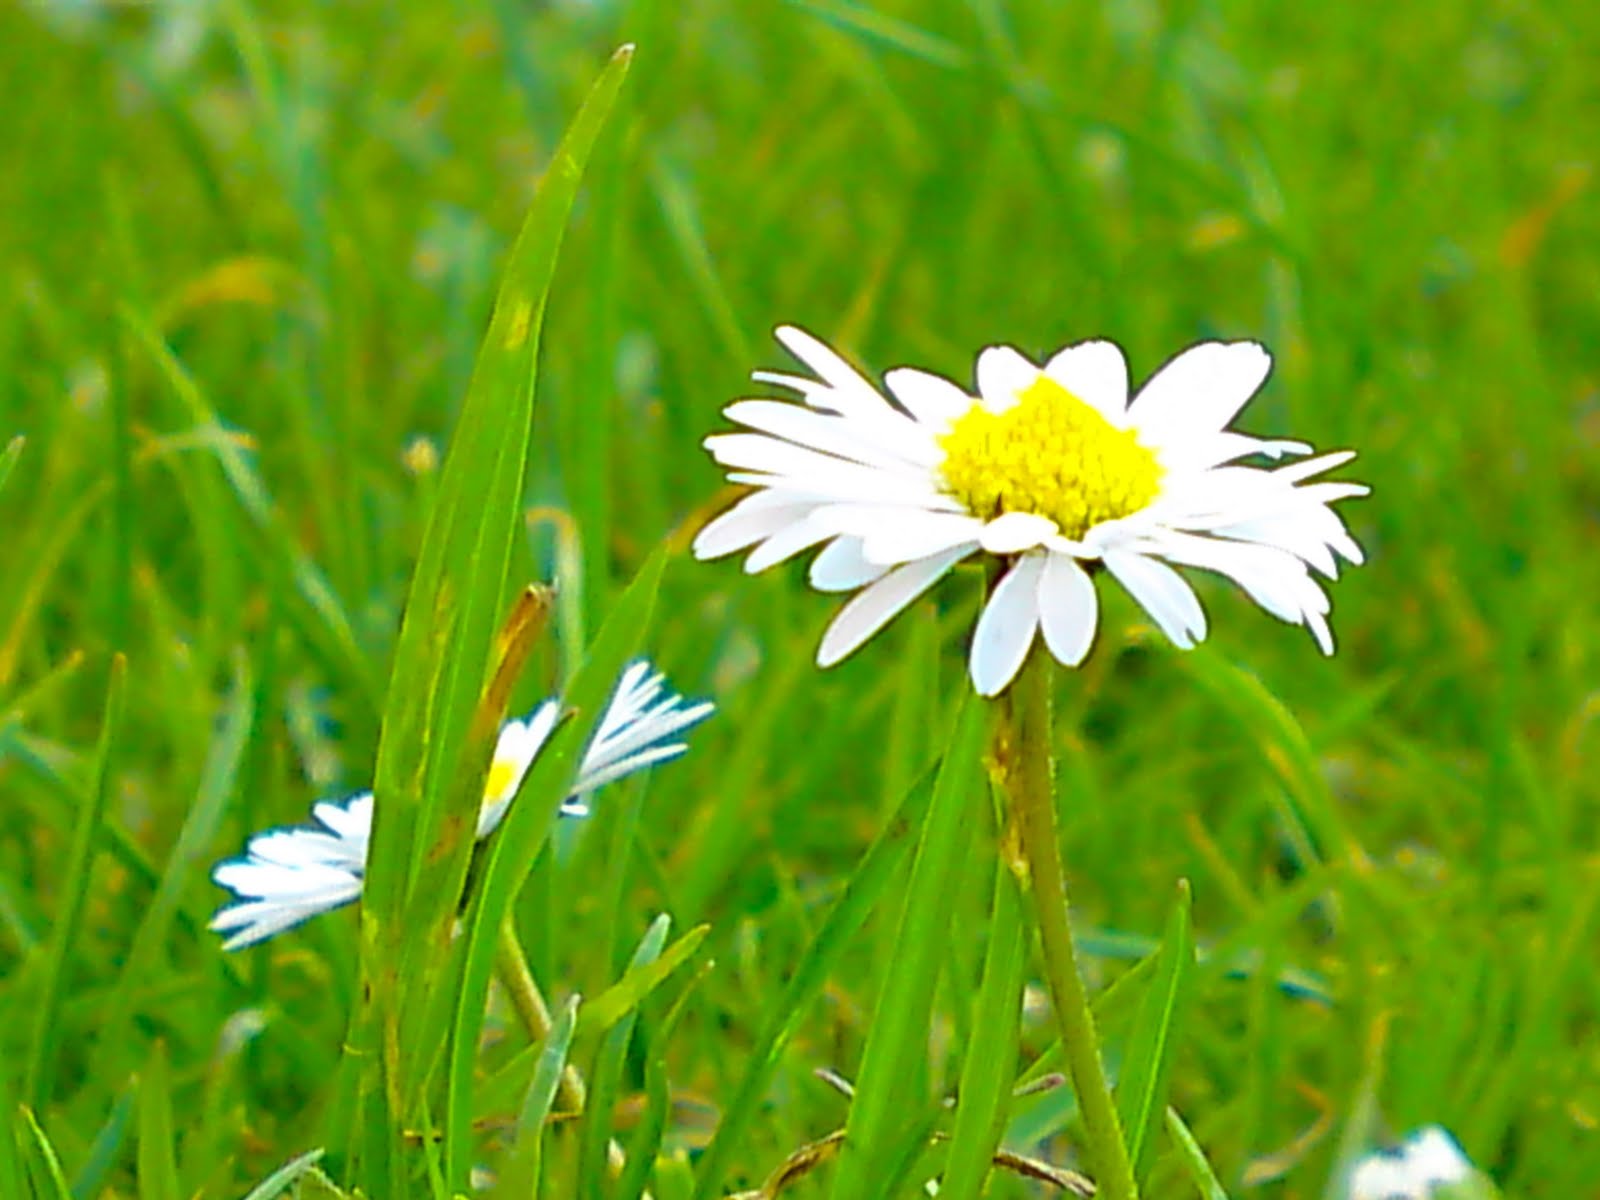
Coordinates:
881 1112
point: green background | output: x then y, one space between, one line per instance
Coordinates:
1394 887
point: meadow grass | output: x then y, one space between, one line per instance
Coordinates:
250 255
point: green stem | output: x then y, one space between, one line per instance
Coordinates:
1024 755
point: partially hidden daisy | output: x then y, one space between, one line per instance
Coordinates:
288 875
1046 470
1417 1169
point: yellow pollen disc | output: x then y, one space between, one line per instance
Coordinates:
502 774
1049 454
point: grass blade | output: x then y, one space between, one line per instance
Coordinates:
625 996
519 1176
861 895
40 1073
606 1078
897 1045
158 1163
987 1073
435 739
44 1166
291 1172
516 844
9 456
1194 1159
1157 1032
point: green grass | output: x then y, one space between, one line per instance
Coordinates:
250 255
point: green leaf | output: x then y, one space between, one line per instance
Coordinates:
1194 1159
881 1113
984 1100
158 1163
40 1073
624 996
1157 1032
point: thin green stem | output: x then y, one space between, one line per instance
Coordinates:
1024 755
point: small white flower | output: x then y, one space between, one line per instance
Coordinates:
289 875
1426 1161
1046 469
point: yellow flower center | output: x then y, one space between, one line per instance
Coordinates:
502 774
1049 454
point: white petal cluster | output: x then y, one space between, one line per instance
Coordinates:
859 475
1428 1160
288 875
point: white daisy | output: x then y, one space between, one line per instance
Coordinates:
1045 469
288 875
1426 1161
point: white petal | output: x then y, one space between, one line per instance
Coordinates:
1199 391
1097 374
755 517
1201 453
912 534
1014 532
847 392
933 400
1003 374
870 609
840 567
1162 593
785 544
1068 609
859 441
1006 627
853 484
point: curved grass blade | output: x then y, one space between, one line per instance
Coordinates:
44 1166
1157 1032
1194 1159
519 1176
284 1177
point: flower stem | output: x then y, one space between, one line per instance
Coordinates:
1024 755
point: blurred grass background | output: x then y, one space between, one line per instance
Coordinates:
308 204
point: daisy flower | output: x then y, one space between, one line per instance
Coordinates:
1428 1160
288 875
1053 471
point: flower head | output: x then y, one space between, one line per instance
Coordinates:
1426 1161
289 875
1046 470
